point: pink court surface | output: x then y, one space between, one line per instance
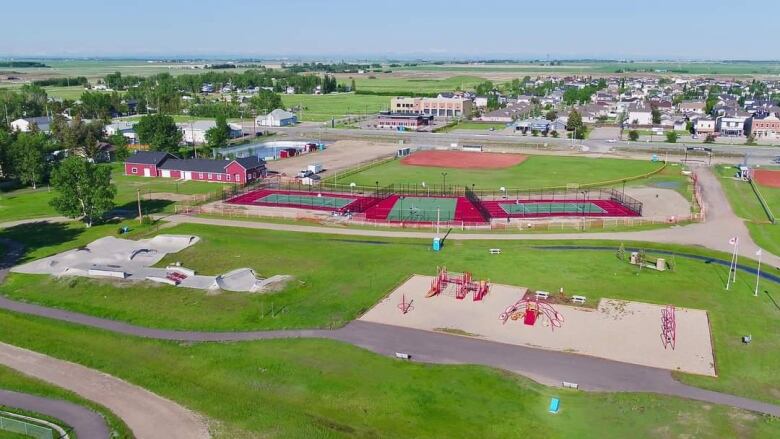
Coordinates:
617 330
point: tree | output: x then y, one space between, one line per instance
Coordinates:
633 135
575 124
83 188
352 86
159 132
218 136
710 138
551 115
751 140
121 151
554 133
265 101
27 157
672 136
656 115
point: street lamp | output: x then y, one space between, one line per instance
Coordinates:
444 182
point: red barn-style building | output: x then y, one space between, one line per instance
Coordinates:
161 164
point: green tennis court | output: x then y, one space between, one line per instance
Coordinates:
526 208
303 200
423 209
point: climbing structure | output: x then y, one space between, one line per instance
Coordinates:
464 284
668 327
532 310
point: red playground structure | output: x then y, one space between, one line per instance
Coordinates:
668 327
530 310
463 282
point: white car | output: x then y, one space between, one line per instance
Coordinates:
611 141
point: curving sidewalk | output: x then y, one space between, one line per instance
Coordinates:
86 423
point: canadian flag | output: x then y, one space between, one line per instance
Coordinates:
733 241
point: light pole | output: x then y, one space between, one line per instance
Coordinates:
443 182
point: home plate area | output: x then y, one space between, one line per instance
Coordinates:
630 332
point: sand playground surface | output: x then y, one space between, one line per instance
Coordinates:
617 330
116 258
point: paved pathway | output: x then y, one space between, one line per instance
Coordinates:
86 423
721 225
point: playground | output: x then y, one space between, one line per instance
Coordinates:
619 330
463 159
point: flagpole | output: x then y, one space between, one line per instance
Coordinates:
758 272
736 261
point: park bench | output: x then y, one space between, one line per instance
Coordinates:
578 299
495 251
555 405
403 356
542 295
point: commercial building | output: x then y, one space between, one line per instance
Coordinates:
445 107
409 121
765 126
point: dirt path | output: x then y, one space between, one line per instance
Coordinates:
149 416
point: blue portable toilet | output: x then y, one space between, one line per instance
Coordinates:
555 405
436 244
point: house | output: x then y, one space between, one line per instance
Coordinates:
125 129
688 107
506 115
289 90
481 101
639 113
403 120
764 126
704 126
195 132
161 164
277 118
25 125
540 125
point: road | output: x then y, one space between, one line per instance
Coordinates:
86 423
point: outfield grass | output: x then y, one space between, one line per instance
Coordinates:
321 108
746 205
536 172
28 203
12 380
331 288
316 388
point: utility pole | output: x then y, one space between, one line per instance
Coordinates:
138 198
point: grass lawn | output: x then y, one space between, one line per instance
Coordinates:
321 108
474 126
331 288
746 205
10 379
28 203
536 172
317 388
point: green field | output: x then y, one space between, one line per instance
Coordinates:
330 289
17 382
665 68
474 126
389 84
28 203
321 108
537 172
746 205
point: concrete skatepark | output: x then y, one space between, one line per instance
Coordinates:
124 259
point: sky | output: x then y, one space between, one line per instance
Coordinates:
394 29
